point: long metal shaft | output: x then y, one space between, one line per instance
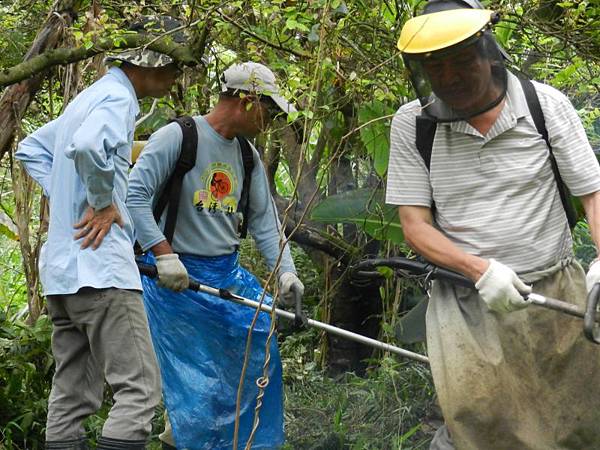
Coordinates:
590 315
150 271
322 326
434 272
557 305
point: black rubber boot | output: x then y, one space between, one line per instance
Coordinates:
105 443
73 444
166 446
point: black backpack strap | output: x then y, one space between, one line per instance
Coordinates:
535 109
248 161
172 192
426 128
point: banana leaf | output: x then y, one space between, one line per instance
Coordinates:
366 209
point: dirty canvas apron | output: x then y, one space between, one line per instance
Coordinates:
526 380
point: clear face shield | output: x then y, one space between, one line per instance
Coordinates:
459 82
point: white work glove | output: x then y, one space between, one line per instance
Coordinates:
171 272
501 289
593 275
287 280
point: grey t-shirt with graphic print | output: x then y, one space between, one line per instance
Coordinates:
208 217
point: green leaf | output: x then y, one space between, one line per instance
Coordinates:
411 327
503 31
292 116
387 272
26 420
364 208
409 433
118 41
375 133
313 36
293 24
7 227
388 229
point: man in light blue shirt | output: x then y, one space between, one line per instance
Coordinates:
87 266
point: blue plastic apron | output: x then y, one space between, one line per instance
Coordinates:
200 342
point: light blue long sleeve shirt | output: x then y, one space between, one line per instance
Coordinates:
82 159
208 216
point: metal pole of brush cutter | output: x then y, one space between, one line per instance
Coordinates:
591 315
150 271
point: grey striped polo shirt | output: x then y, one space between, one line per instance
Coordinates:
495 195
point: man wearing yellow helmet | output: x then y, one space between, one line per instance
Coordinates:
477 193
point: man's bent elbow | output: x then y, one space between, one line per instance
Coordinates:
413 221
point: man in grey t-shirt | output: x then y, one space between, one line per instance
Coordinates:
205 244
507 376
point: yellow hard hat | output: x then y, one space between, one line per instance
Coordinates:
431 32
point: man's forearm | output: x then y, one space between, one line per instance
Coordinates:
98 183
162 248
438 249
591 204
38 167
148 234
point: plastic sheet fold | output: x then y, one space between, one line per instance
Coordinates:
200 342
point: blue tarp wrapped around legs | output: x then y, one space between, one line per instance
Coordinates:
200 344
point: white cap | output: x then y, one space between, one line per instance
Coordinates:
254 78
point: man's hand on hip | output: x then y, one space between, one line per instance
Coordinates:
172 274
501 289
593 275
95 225
288 283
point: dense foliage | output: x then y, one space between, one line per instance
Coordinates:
327 165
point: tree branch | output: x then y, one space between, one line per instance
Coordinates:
181 53
319 240
15 100
261 39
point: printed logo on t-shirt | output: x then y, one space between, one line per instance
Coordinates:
218 186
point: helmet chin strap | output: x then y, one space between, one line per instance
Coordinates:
461 115
429 107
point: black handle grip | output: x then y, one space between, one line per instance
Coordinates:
150 271
300 320
415 267
147 269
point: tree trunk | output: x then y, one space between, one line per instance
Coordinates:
352 307
24 192
16 98
356 308
14 102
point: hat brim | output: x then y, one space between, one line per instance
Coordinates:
147 59
283 104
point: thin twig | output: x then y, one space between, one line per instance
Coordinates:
261 39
